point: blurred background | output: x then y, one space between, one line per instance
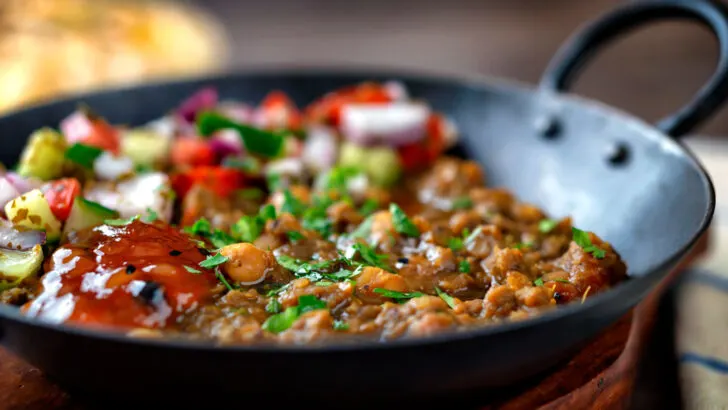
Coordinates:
51 47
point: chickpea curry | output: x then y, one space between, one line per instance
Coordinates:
266 223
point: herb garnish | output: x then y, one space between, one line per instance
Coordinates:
455 243
464 266
368 255
582 239
282 321
121 222
273 306
201 227
447 298
547 225
151 216
83 154
192 270
251 193
523 245
256 141
462 202
368 207
294 236
291 204
214 260
247 228
340 325
401 222
398 295
221 278
364 229
538 282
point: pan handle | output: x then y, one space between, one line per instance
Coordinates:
572 56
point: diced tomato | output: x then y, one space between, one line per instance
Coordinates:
188 151
60 195
423 153
87 129
221 180
278 111
328 108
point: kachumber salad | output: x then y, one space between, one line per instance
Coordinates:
245 223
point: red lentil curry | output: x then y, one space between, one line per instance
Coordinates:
244 223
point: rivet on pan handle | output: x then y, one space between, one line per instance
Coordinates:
571 58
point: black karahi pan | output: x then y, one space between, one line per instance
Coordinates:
634 184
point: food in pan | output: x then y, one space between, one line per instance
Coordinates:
244 224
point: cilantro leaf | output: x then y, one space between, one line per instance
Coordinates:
151 216
201 227
340 325
251 193
214 260
267 212
523 245
256 141
447 298
247 228
464 266
547 225
455 243
462 202
294 236
368 207
368 255
192 270
582 239
308 303
282 321
273 306
401 222
398 295
291 204
221 278
303 268
220 239
83 154
538 282
121 222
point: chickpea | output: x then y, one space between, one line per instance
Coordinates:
247 264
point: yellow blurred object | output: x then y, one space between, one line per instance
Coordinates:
53 47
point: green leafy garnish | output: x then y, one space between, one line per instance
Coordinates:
83 154
201 227
335 181
447 298
273 306
340 325
538 282
523 245
315 218
368 207
300 268
151 216
256 141
247 228
221 277
398 295
282 321
249 165
455 243
368 255
121 222
220 239
294 236
291 204
462 202
214 260
582 239
267 212
274 181
324 283
547 225
192 270
364 229
401 222
464 266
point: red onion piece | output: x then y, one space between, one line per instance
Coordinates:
23 184
8 192
225 143
320 150
76 127
203 99
11 238
392 124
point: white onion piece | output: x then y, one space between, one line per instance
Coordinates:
319 151
389 124
397 90
357 185
109 167
11 238
285 167
135 195
165 127
8 192
23 184
76 127
226 142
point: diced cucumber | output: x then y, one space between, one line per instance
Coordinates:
31 210
18 265
381 164
145 147
85 214
44 155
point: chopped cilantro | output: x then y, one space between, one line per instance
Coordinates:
316 219
221 277
294 236
523 245
398 295
256 141
214 260
447 298
547 225
307 303
336 179
401 222
282 321
462 202
273 181
121 222
192 270
464 266
267 212
324 283
582 239
251 193
151 216
455 243
273 306
538 282
340 325
83 154
201 227
291 204
368 207
220 239
302 268
368 255
247 228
